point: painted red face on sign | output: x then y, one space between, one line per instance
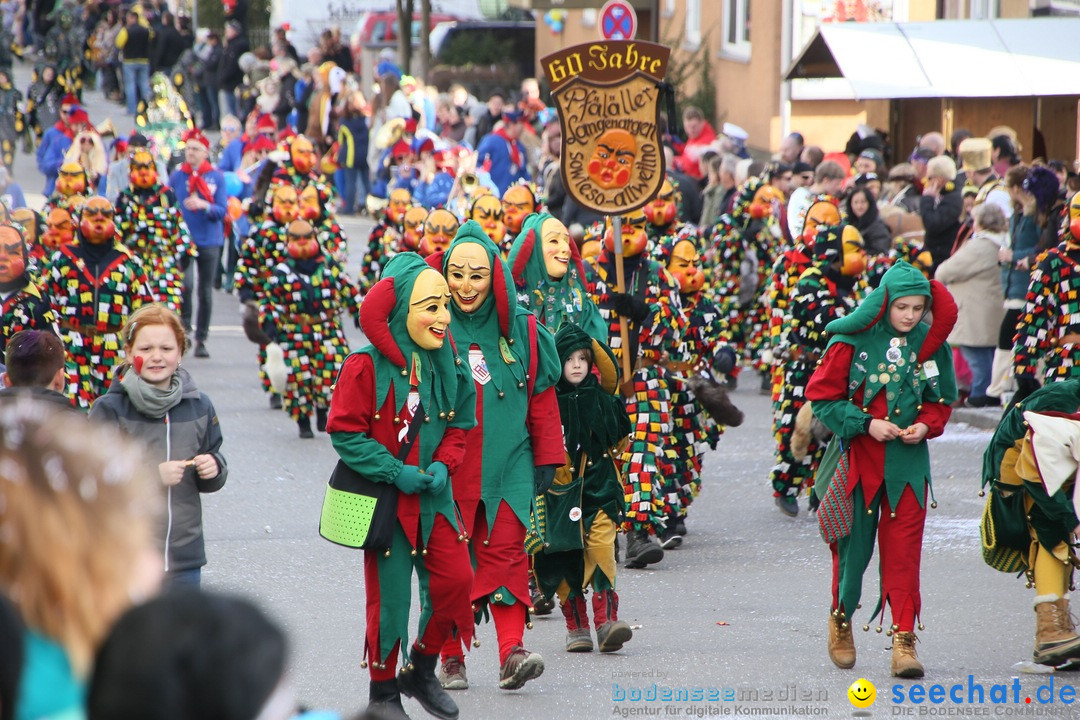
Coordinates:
439 229
488 211
12 254
661 210
413 226
517 203
97 224
685 267
142 171
634 237
59 229
302 243
302 154
612 161
285 204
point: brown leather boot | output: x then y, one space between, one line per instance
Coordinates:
578 635
905 663
1056 640
841 643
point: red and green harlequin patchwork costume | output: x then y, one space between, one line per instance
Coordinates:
1051 315
383 243
153 229
647 459
260 253
91 311
301 311
25 309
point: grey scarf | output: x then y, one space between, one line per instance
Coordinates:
151 400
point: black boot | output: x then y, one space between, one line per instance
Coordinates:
642 550
418 681
304 423
384 701
320 419
275 401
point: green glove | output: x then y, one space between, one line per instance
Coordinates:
437 475
411 480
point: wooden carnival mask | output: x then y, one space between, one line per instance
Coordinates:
285 204
767 200
71 180
555 241
662 210
400 199
429 312
311 208
488 211
854 258
685 267
413 226
821 212
142 170
517 202
468 274
302 154
634 237
12 254
96 224
1073 241
59 229
29 221
440 226
302 243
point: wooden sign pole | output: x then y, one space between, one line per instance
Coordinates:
620 286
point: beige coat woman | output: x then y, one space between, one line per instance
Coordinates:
973 277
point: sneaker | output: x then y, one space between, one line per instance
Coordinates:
612 635
579 640
642 550
200 350
788 504
452 674
520 667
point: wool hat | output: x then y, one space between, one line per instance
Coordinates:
974 154
195 136
1043 184
871 154
265 123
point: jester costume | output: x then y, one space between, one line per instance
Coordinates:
1030 515
514 367
72 189
410 368
662 213
580 546
555 300
741 251
702 347
65 48
22 304
299 310
94 284
654 315
518 202
825 292
12 121
153 229
384 240
874 371
1049 328
43 99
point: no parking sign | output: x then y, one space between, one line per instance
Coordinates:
617 21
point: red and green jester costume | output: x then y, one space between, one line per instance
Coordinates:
409 365
22 304
153 229
514 445
873 371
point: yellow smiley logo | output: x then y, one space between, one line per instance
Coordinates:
862 693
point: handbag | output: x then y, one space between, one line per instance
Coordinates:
358 512
1003 531
837 510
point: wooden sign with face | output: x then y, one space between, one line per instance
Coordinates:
606 94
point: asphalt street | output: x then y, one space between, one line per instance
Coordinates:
738 612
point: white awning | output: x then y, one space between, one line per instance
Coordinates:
947 58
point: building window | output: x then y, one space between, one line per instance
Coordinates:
736 28
693 23
984 9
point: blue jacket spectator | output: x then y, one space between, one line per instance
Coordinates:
503 153
55 143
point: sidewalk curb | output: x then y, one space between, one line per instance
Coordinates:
982 418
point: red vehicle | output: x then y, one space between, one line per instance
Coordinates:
381 29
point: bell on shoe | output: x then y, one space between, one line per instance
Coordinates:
452 674
520 667
841 642
1056 641
905 662
418 681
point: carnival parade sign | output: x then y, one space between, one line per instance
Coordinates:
606 94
